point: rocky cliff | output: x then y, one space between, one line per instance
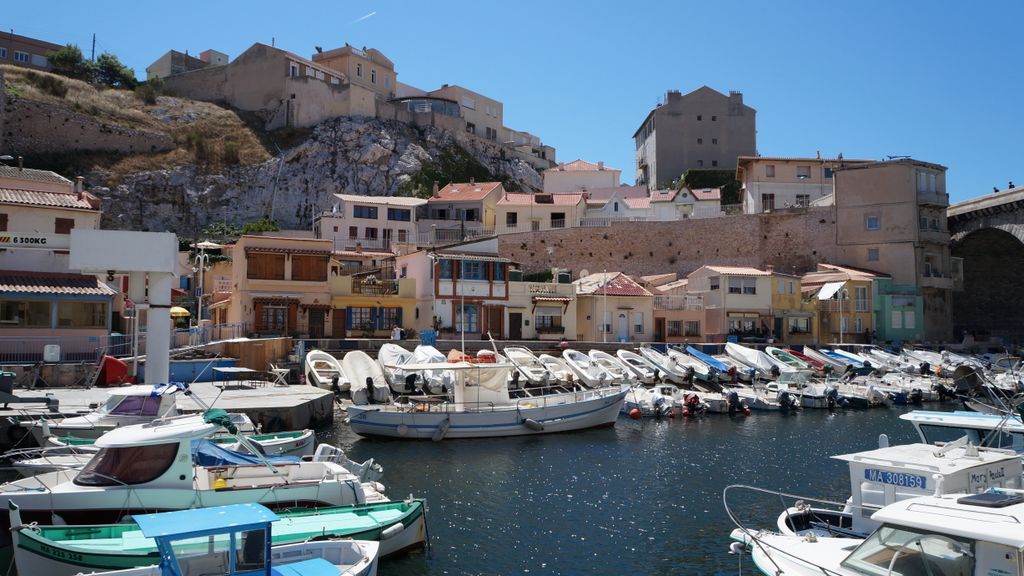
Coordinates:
343 155
173 164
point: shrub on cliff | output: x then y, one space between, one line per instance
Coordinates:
68 61
452 164
47 83
111 72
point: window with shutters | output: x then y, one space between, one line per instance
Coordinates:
63 225
309 268
259 266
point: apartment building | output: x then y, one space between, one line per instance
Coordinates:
737 301
541 211
844 302
483 115
26 52
579 176
369 222
612 307
891 217
368 302
461 210
279 286
174 62
366 67
703 129
775 183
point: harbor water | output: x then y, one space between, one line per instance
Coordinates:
644 497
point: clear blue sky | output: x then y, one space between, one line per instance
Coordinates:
940 81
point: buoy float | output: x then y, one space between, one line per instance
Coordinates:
634 413
686 413
746 411
671 414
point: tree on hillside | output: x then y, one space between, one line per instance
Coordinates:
68 61
111 72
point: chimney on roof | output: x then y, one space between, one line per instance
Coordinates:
995 189
770 268
819 155
1011 182
79 185
434 192
600 164
472 181
21 162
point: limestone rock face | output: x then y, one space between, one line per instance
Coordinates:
350 155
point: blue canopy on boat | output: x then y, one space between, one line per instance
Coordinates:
206 453
205 520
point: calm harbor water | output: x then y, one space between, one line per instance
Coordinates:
639 498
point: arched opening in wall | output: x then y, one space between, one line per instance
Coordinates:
993 270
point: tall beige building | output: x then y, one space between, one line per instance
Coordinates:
891 218
773 183
366 67
704 129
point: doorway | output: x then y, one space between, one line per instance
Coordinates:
495 316
623 333
316 323
515 325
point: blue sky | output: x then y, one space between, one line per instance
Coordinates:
939 81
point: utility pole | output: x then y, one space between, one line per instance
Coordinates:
93 55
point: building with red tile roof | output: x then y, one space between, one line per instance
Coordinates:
580 175
612 307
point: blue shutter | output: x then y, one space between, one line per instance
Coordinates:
378 319
348 318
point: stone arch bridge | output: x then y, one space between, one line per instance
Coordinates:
988 233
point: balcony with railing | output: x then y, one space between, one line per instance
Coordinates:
688 302
933 235
935 279
933 198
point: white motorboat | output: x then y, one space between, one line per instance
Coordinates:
740 371
671 370
854 358
324 371
532 370
68 453
659 400
988 430
892 361
641 368
558 368
391 358
232 539
170 464
611 364
438 381
838 366
940 535
484 407
701 371
125 406
766 366
588 372
889 474
368 383
787 358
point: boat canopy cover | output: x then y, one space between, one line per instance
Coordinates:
230 518
829 290
206 453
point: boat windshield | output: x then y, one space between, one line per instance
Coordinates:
212 555
996 438
129 465
136 406
911 552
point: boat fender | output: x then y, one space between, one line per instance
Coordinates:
403 429
736 548
392 531
441 431
533 425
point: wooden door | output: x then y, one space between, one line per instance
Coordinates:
338 323
515 325
316 323
495 316
659 330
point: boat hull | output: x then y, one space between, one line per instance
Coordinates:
535 415
39 555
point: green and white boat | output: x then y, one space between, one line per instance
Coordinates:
72 550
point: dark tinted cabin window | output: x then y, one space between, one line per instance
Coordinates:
131 465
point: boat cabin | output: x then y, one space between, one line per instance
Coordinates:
894 473
243 545
978 534
987 430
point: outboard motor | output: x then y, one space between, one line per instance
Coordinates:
334 385
689 371
734 376
925 368
776 372
370 388
692 405
830 398
916 396
515 380
662 406
410 382
786 402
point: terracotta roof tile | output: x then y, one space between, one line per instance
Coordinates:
55 199
663 195
707 194
516 199
465 191
610 283
637 202
31 174
52 283
579 165
738 271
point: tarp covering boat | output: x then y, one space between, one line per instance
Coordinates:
206 453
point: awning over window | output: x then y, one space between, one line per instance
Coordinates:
552 299
276 300
829 290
